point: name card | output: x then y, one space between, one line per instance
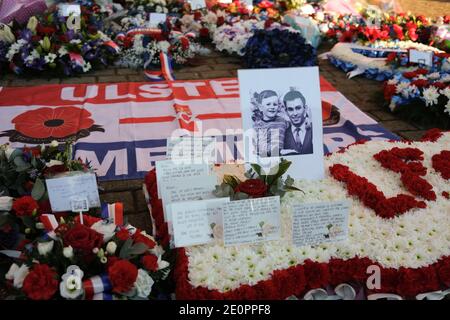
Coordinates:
66 9
225 1
157 18
167 170
252 221
197 222
185 189
316 223
76 191
422 57
197 4
191 149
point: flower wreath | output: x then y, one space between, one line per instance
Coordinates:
373 62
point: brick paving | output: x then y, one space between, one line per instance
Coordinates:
365 94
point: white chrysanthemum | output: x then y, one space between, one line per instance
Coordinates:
431 96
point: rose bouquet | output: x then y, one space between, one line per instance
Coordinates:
47 44
258 183
278 48
420 96
95 260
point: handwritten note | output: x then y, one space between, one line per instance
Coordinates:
157 18
422 57
197 222
185 189
66 9
167 170
62 192
197 4
316 223
191 149
252 220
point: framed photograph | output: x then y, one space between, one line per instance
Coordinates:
282 118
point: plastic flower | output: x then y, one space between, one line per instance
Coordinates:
71 286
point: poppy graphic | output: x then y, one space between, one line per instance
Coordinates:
46 124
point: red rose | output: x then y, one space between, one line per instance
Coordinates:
83 238
41 283
184 43
398 31
150 262
204 33
443 270
140 238
197 15
255 188
123 275
439 85
25 206
220 21
420 83
123 235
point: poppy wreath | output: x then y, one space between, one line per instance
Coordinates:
44 125
411 250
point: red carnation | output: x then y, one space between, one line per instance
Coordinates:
443 270
398 31
123 275
255 188
41 283
25 206
389 91
150 262
83 238
414 281
391 56
140 238
204 33
123 235
432 135
317 274
220 21
420 83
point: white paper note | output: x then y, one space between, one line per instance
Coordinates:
197 4
423 57
167 169
197 222
252 220
66 9
157 18
186 189
191 149
316 223
63 191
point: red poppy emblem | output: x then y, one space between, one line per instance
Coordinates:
46 124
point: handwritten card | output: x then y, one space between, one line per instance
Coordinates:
422 57
191 149
197 4
167 170
252 220
185 189
64 192
66 9
316 223
157 18
197 222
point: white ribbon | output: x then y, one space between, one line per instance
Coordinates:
388 296
11 253
343 291
434 295
355 72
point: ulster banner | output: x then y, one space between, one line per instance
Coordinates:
121 129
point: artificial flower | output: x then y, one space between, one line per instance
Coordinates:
71 285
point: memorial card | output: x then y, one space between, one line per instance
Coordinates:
197 4
252 220
191 149
422 57
167 169
197 222
185 189
157 18
67 9
282 118
69 192
316 223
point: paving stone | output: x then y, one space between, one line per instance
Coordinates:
125 197
126 71
216 74
397 126
140 203
140 220
113 78
79 80
4 83
384 115
195 68
227 66
121 185
187 76
105 72
20 82
136 78
412 135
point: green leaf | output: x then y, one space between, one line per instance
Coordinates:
283 167
38 190
21 164
289 181
256 168
240 196
125 250
138 248
28 222
15 153
34 163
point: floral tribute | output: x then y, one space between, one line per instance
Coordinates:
421 96
54 256
47 45
411 250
